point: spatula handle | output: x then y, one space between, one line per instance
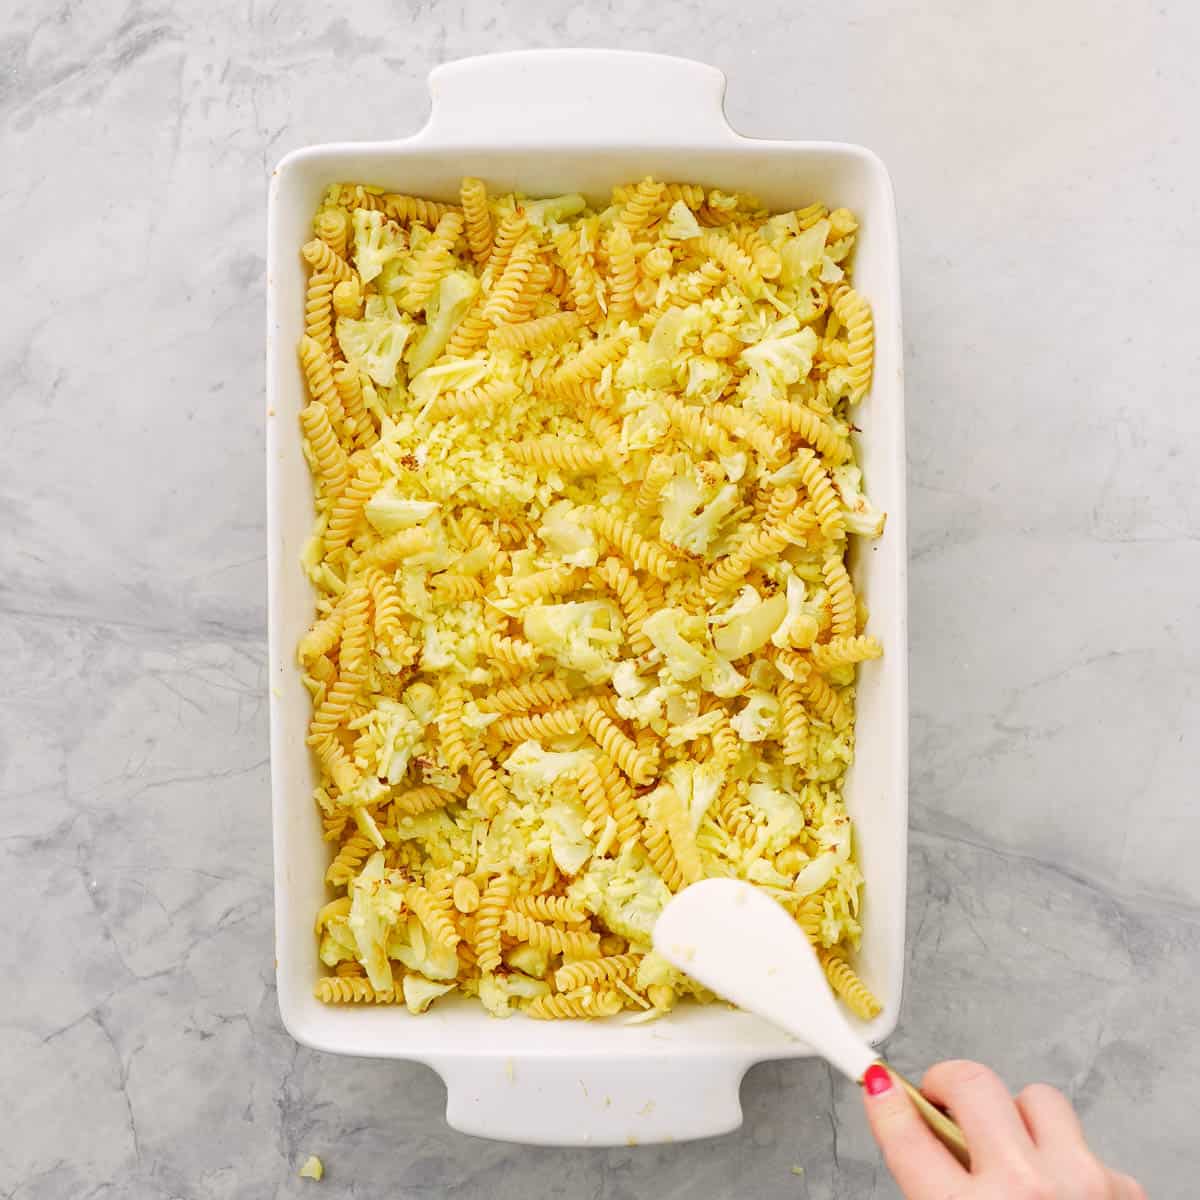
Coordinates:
944 1129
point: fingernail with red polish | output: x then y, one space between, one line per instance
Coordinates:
876 1080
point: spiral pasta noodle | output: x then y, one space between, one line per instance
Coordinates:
435 259
420 800
453 737
696 428
843 606
641 552
318 372
535 693
430 910
541 936
477 218
622 272
489 921
844 651
555 453
821 491
639 765
854 312
410 209
488 788
553 581
347 509
341 989
661 854
543 333
615 575
794 722
360 428
764 256
322 259
567 1007
596 970
802 421
825 701
508 233
332 228
845 981
504 305
318 311
401 544
549 908
683 843
537 727
332 467
349 858
691 289
726 253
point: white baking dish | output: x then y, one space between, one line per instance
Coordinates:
547 122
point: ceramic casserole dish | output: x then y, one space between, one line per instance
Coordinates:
544 123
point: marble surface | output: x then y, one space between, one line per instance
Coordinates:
1047 198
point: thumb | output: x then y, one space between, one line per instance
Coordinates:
921 1165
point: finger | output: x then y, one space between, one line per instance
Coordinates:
922 1166
1050 1119
979 1101
1127 1188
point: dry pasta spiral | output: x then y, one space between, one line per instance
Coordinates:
661 854
318 311
330 463
508 233
639 765
683 843
854 312
349 859
536 693
596 970
343 989
321 258
537 727
843 606
821 491
488 788
360 427
845 651
554 581
318 372
591 360
764 256
435 259
801 420
737 262
489 921
538 335
332 228
402 544
641 552
548 937
347 510
568 1007
696 428
554 453
640 205
431 910
549 908
424 799
845 981
614 574
477 218
622 272
409 209
794 722
451 730
504 305
825 701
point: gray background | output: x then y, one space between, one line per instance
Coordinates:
1049 227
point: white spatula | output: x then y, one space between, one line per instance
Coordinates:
735 940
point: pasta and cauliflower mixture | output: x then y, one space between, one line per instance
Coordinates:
585 633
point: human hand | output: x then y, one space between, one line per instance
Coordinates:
1030 1148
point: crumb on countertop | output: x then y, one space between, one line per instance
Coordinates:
313 1168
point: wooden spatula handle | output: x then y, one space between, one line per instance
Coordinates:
946 1131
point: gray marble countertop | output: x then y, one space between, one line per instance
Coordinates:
1048 208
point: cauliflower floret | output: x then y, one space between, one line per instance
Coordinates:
411 944
638 699
835 836
388 512
669 630
420 993
680 223
375 906
445 310
625 893
375 342
758 719
697 785
785 817
748 629
554 209
569 845
534 770
427 385
801 254
581 635
376 242
568 539
861 518
694 531
781 359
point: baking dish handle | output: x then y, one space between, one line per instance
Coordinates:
611 1101
576 97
